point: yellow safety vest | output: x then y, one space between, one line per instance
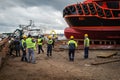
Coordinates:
23 41
86 42
50 41
39 41
29 43
72 42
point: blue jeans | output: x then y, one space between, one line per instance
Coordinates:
49 50
24 55
71 54
31 55
86 52
40 49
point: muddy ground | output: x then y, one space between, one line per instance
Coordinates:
58 67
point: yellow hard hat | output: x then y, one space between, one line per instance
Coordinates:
86 35
49 37
24 36
71 37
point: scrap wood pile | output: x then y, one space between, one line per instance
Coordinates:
3 50
107 58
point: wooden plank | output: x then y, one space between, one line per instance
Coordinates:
106 55
0 61
104 62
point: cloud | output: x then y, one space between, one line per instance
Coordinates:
44 13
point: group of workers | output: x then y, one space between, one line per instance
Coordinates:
28 46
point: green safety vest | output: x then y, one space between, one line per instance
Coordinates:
29 43
86 42
72 43
39 41
35 46
23 42
50 41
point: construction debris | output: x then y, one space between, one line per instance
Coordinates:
63 47
3 50
106 55
104 62
0 61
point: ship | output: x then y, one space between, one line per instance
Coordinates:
100 19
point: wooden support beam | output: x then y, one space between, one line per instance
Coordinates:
106 55
104 62
0 61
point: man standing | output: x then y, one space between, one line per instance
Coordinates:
40 41
53 38
17 46
49 46
72 46
86 46
30 46
24 48
11 46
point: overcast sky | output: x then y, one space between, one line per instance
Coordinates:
47 13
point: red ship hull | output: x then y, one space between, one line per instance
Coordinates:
100 19
97 33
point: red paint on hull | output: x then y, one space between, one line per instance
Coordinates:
98 18
98 33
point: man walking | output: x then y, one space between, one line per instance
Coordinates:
86 46
72 46
40 41
49 46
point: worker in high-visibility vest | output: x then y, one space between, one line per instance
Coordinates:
40 43
86 45
53 38
49 46
72 44
24 58
30 46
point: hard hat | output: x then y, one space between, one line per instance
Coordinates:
24 36
49 37
71 37
86 35
33 38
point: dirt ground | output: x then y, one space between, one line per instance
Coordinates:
58 67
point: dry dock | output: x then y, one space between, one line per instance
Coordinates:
58 66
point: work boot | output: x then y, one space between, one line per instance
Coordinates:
48 54
26 59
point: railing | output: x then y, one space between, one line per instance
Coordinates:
91 9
